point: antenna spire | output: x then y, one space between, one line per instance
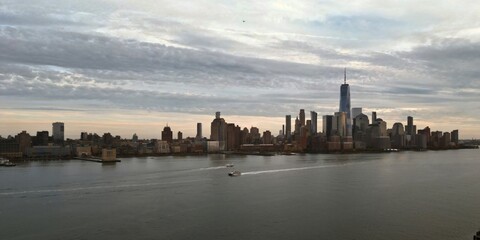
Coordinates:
345 75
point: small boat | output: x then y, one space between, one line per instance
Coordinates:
6 163
234 173
9 164
229 165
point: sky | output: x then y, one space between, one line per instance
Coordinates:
133 66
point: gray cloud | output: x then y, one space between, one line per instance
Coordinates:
92 58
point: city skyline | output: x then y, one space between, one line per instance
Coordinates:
125 67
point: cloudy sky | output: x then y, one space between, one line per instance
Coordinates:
132 66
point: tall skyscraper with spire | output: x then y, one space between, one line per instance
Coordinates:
345 103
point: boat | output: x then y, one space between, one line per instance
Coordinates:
229 165
6 163
9 164
234 173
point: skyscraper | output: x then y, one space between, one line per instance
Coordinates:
327 125
356 111
302 117
167 134
313 126
199 131
180 136
58 132
345 104
288 128
341 123
218 131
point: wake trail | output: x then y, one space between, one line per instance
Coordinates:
95 187
294 169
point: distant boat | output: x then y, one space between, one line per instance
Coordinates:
229 165
6 163
234 173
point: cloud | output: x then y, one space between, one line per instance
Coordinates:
167 58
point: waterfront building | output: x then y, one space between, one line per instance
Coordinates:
254 135
360 125
454 136
327 125
267 137
107 139
180 136
421 140
297 126
232 138
377 137
313 123
445 140
218 131
345 105
374 117
199 131
24 141
167 134
58 132
245 136
288 128
398 135
356 111
302 117
341 123
161 147
41 139
410 130
308 126
84 136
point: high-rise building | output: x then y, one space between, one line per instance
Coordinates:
231 137
411 131
356 111
327 125
199 131
288 128
398 135
41 139
454 136
218 131
341 123
345 104
255 135
297 126
58 132
167 134
374 117
179 135
84 136
302 117
267 137
313 126
24 141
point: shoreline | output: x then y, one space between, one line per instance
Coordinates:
261 153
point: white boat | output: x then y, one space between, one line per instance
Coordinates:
6 163
234 173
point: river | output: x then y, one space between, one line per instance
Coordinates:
404 195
